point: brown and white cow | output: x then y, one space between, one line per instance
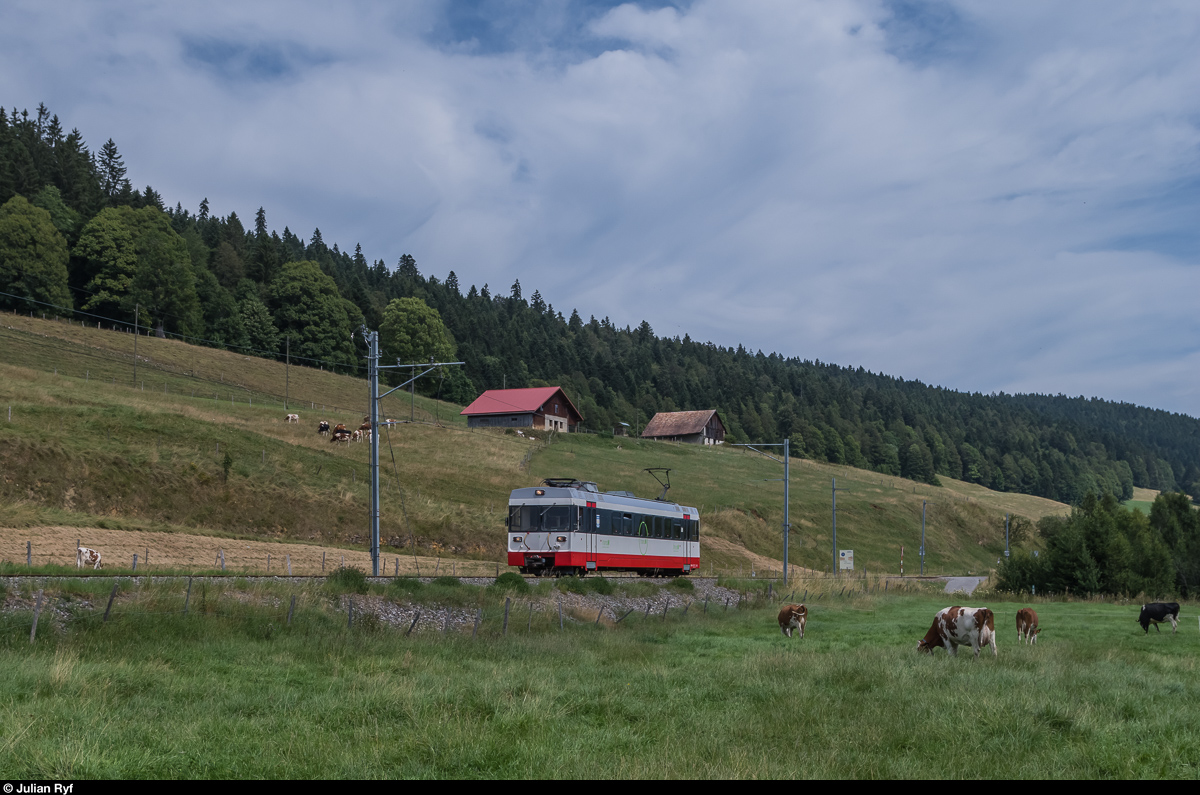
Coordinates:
340 436
961 626
292 418
323 428
357 436
792 617
87 557
1027 626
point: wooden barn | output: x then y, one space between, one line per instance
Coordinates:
543 408
691 427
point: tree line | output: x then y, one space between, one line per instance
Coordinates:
75 233
1103 548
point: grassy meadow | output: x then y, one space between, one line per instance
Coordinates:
89 448
231 690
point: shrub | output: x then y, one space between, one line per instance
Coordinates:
347 580
406 585
511 581
681 583
447 582
583 585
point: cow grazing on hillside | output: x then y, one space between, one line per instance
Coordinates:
792 617
356 436
323 428
1158 612
87 557
961 626
1027 625
292 418
340 436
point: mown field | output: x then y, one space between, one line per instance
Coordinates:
90 447
232 691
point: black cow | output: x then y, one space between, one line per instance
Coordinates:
323 428
1157 613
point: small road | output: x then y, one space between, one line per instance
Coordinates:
965 584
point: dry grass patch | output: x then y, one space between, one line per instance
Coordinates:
188 552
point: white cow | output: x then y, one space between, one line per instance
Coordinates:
961 626
87 557
293 418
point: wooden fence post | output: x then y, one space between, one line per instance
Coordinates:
665 606
478 616
599 613
29 554
622 618
529 624
706 604
135 561
507 602
416 618
322 561
350 614
111 596
291 609
187 597
268 563
289 562
647 609
37 608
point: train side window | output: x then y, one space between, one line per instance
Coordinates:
628 524
678 528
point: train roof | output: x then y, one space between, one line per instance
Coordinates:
570 488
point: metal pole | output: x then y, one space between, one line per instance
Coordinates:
287 372
1006 534
923 537
136 311
373 378
786 525
835 560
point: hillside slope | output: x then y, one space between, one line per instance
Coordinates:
85 447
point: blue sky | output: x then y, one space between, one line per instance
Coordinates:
989 197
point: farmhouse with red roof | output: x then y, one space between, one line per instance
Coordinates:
544 408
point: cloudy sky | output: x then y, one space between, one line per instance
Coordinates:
986 196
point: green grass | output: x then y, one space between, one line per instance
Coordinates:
232 691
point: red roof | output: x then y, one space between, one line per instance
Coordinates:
516 401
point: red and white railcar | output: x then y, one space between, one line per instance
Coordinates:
568 526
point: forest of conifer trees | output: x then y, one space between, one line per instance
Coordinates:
75 234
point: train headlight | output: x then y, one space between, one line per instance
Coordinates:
560 538
517 539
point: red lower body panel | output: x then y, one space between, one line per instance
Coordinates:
606 561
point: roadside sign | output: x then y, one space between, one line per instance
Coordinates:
846 559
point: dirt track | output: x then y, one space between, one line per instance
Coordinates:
197 552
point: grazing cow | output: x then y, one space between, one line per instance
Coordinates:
792 617
356 436
340 428
87 557
293 418
340 436
961 626
1158 612
323 428
1027 626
